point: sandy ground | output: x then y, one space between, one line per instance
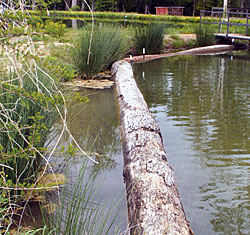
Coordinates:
185 37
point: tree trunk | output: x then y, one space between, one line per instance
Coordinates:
153 201
67 5
93 5
83 6
146 9
74 3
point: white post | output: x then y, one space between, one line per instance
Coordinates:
225 6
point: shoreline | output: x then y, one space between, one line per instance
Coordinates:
195 51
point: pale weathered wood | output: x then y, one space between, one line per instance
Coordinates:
154 205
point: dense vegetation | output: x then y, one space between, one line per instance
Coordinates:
144 6
149 37
95 51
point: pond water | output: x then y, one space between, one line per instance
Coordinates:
202 105
94 125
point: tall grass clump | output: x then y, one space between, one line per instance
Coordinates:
204 36
79 210
149 37
95 51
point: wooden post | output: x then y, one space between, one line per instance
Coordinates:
247 26
200 19
220 23
153 201
227 24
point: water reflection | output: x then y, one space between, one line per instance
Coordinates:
208 99
95 127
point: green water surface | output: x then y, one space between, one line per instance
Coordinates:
202 105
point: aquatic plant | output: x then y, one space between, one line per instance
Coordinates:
77 210
149 37
95 51
204 36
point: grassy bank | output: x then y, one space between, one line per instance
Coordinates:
176 24
119 15
133 16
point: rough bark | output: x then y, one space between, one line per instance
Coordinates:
154 205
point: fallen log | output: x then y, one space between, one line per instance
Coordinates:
153 201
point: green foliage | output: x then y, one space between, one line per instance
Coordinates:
27 114
107 46
149 37
75 8
174 36
59 69
121 15
177 44
79 211
191 43
56 29
105 5
204 36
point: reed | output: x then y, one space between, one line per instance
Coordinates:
107 46
149 37
79 211
204 36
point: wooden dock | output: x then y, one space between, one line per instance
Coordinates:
232 36
225 19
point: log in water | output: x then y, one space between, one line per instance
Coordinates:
154 205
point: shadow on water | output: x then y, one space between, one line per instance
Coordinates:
202 104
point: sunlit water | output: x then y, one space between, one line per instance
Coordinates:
202 105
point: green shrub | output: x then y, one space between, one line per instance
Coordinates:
175 36
204 36
149 37
56 29
75 8
191 43
178 44
27 114
107 46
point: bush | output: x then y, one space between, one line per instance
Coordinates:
204 36
75 8
178 44
149 37
27 114
56 29
108 45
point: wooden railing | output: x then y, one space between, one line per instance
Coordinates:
224 19
239 11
